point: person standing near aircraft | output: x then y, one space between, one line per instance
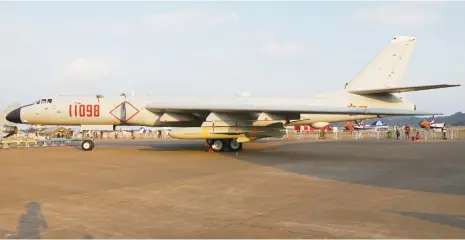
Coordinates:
397 132
407 131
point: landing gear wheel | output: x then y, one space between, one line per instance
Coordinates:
87 145
234 145
218 145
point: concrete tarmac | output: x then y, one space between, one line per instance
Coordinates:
278 189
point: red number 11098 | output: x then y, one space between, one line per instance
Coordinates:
84 110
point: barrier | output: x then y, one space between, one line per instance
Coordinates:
452 134
26 143
424 135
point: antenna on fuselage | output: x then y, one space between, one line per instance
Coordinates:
98 97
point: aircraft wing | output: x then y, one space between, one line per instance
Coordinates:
402 89
287 109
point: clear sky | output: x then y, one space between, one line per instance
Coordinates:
264 48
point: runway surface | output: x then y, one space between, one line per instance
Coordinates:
278 189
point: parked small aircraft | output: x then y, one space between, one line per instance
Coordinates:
431 125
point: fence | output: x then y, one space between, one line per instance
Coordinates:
374 134
27 141
124 135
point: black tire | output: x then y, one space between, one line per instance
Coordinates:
218 145
234 145
87 145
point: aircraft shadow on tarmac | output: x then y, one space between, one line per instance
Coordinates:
197 146
394 164
457 221
398 165
162 147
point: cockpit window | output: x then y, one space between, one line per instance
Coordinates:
42 101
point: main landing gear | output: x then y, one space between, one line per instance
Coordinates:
220 145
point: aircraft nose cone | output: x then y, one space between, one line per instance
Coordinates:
14 116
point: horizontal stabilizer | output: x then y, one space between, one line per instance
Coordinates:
402 89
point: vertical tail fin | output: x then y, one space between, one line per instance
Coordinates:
387 68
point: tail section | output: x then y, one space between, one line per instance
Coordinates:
387 69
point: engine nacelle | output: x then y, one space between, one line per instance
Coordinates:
319 125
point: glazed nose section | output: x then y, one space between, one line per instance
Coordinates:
14 116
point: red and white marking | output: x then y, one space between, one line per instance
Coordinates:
131 111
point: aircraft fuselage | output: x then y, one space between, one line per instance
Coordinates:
116 111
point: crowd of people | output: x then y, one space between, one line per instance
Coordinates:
407 129
128 134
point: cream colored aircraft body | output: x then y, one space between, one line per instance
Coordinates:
228 122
